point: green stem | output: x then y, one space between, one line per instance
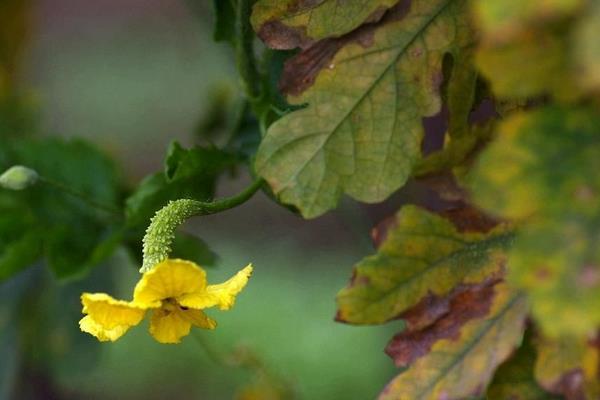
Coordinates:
244 50
161 231
80 195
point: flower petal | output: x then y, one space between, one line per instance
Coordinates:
221 295
169 279
109 312
87 324
199 319
169 326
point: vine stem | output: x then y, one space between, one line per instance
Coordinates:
244 50
80 195
161 231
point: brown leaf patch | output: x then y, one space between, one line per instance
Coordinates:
380 232
279 36
436 318
467 218
300 72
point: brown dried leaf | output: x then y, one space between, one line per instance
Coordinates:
436 318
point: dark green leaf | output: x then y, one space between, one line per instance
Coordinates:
188 174
20 253
190 247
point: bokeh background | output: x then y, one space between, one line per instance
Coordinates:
131 76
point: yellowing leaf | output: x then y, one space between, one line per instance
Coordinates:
423 254
542 162
436 318
532 65
587 48
285 24
544 165
507 18
515 380
558 264
568 366
527 47
361 131
463 367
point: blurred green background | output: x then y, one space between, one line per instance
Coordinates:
132 76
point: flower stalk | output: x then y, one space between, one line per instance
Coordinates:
161 231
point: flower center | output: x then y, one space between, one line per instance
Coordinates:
170 305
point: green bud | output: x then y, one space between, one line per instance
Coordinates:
18 177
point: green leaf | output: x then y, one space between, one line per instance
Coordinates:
462 367
544 167
189 173
190 247
568 366
361 131
68 228
515 379
286 24
423 254
20 253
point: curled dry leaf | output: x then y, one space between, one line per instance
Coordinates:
462 366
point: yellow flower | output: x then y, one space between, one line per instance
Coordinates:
175 291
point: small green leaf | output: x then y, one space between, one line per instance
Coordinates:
462 367
423 254
361 131
189 173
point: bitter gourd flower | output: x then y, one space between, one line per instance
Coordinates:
174 290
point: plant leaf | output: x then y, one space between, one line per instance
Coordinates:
526 171
189 173
20 253
587 48
424 254
286 24
568 366
509 18
525 46
361 131
436 318
543 166
515 379
463 367
69 228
